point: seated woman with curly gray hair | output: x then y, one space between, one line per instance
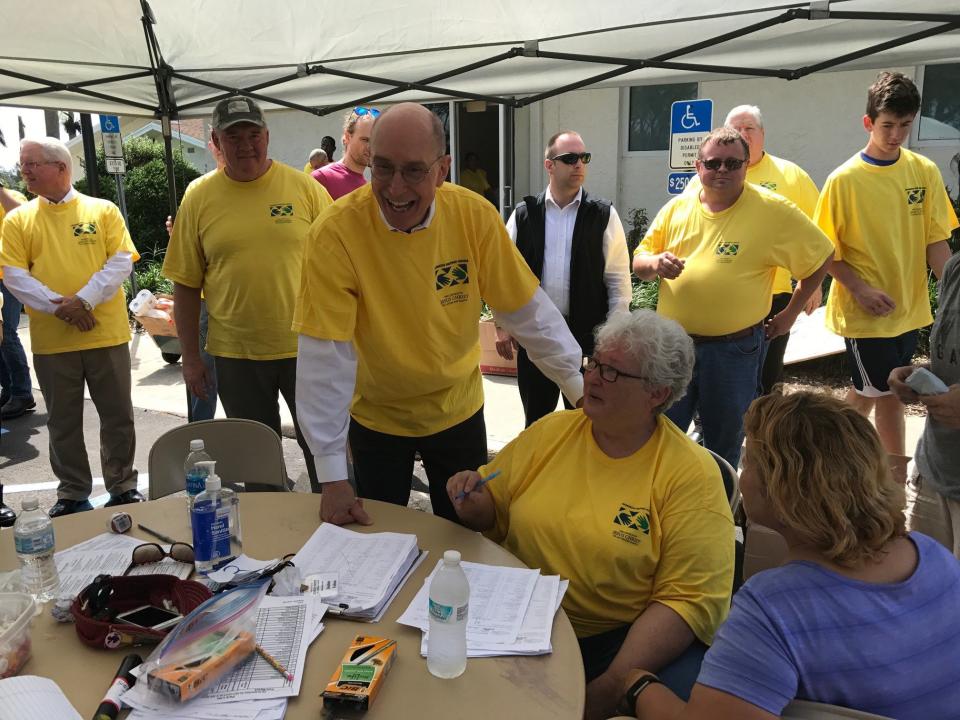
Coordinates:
618 500
862 615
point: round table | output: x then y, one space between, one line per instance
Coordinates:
275 524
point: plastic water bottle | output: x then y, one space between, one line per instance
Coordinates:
195 474
447 639
215 520
34 541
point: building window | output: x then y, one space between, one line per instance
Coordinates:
648 126
940 109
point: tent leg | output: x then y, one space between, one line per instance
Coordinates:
168 157
89 155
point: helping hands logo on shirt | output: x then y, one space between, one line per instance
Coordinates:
85 232
282 213
448 275
726 251
769 185
631 523
915 198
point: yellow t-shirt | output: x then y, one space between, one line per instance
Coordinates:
652 527
881 219
731 257
3 213
308 168
63 246
475 180
410 303
784 178
242 243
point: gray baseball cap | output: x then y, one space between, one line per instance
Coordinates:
235 110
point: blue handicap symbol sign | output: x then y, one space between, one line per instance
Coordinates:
690 116
109 123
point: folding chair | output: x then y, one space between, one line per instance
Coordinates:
249 456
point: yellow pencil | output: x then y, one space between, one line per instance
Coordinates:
274 663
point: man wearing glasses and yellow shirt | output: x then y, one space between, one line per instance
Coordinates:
388 320
717 252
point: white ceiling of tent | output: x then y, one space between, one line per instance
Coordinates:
241 43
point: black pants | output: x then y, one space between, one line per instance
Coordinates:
383 464
773 365
248 389
538 393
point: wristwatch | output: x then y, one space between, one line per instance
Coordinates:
86 306
628 702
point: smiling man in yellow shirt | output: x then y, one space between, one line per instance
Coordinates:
239 237
65 256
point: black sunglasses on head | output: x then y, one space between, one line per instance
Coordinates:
730 164
571 158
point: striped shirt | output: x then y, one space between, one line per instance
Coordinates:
803 631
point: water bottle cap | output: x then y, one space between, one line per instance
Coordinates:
29 503
212 482
451 557
196 445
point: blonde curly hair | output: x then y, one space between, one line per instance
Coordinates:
825 474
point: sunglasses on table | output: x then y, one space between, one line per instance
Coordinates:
152 553
571 158
360 111
730 164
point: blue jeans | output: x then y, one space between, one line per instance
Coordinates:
201 409
14 370
726 379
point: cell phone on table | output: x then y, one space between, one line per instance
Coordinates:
150 616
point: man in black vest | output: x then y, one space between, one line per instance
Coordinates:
575 245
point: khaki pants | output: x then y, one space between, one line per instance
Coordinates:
933 514
106 372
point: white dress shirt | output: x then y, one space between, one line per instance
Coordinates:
101 286
558 246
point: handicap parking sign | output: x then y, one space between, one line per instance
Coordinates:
690 122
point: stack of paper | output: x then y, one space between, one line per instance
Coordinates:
254 690
511 610
107 554
371 567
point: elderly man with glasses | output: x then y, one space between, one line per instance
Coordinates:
388 320
619 501
575 245
346 175
65 256
239 238
717 252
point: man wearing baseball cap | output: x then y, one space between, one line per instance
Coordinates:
239 238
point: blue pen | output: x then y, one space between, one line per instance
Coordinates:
483 481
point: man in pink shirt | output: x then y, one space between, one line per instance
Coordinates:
345 176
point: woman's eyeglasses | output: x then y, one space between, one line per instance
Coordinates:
153 553
571 158
608 373
730 164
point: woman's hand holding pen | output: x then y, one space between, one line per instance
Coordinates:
472 500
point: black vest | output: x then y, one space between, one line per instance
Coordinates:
588 293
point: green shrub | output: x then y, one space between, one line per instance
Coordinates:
145 187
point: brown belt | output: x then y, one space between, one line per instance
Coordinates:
746 332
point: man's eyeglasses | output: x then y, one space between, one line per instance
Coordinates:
411 174
571 158
360 111
730 164
153 553
608 373
34 165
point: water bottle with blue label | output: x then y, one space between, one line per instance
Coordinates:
194 472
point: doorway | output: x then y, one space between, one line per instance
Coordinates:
478 142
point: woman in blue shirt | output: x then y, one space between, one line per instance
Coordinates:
862 614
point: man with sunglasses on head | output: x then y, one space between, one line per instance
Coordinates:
239 238
575 245
65 256
388 320
717 252
346 175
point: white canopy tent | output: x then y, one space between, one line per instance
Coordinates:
177 58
